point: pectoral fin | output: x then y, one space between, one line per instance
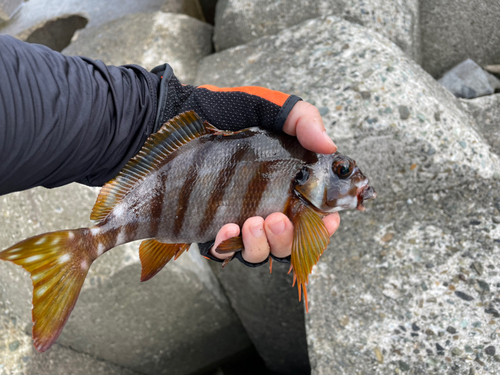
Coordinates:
154 255
310 239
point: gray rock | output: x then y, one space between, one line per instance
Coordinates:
148 40
240 21
51 16
434 208
468 80
454 30
8 8
269 309
177 323
486 112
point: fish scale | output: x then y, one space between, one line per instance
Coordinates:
187 181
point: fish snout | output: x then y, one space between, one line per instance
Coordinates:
365 193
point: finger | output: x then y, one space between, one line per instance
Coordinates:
226 232
304 122
332 222
255 241
279 232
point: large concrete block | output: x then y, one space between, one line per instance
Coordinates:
57 18
240 21
148 40
177 323
8 8
410 285
454 30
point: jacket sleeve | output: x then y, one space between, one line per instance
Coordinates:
66 119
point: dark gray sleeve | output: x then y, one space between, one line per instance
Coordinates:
66 119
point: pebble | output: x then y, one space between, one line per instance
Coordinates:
464 296
323 111
468 349
478 267
13 346
403 366
404 112
456 351
430 332
496 219
451 330
490 350
366 94
415 327
439 348
493 311
496 357
379 355
420 117
483 285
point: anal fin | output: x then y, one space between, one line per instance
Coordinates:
310 239
230 245
155 255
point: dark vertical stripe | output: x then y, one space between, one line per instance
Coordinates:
218 193
184 195
256 189
157 207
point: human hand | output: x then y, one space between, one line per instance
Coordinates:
275 233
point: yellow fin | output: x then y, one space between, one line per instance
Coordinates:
172 135
154 255
310 239
57 268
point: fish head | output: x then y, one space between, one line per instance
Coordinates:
334 183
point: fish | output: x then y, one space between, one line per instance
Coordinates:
188 180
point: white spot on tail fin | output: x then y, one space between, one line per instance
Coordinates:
41 291
41 240
33 258
14 256
36 276
55 241
95 231
100 249
64 258
71 235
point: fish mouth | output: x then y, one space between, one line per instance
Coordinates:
365 194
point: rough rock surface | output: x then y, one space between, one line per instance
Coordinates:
240 21
468 80
454 30
486 112
8 8
177 323
412 284
36 14
270 311
148 40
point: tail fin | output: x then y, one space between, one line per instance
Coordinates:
58 263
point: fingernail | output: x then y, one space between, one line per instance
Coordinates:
257 230
329 140
277 227
231 233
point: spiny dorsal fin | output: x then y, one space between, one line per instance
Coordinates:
172 135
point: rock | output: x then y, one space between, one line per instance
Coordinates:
269 309
425 199
468 80
18 356
58 20
454 30
179 322
486 112
8 8
240 21
148 40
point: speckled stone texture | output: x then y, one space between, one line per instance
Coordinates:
486 111
148 40
240 21
412 284
8 8
179 322
454 30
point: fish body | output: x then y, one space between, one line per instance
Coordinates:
187 181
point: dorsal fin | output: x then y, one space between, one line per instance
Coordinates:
172 135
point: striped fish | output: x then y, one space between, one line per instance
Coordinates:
189 180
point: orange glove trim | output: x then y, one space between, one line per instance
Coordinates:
275 97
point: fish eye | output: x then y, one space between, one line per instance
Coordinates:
343 167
